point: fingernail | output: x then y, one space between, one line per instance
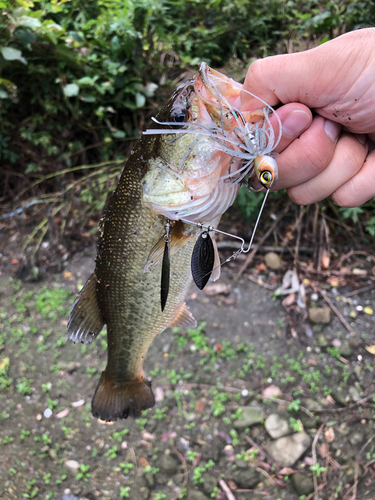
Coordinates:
361 138
295 123
332 129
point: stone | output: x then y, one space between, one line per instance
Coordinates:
322 341
149 480
196 495
355 394
209 483
303 483
276 426
167 464
287 450
69 366
345 349
340 396
246 478
356 438
72 466
144 493
273 261
320 315
251 415
349 471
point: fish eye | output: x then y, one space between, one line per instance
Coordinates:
266 177
181 116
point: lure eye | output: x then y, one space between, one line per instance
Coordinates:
266 177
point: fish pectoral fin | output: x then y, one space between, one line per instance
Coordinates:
113 400
85 321
216 271
184 318
178 240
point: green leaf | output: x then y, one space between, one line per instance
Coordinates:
11 54
62 52
71 90
29 22
140 100
118 134
3 94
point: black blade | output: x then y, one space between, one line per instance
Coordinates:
165 273
202 260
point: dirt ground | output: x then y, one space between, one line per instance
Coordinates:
248 347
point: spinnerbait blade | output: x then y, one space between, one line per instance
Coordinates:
165 267
202 260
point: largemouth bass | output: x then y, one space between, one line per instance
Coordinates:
176 172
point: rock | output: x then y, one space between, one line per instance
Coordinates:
251 415
287 450
149 480
320 315
340 396
69 366
209 483
276 426
273 261
355 394
144 493
349 471
52 453
167 464
322 341
196 495
67 497
72 466
303 483
247 478
345 349
356 438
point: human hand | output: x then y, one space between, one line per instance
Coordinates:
330 153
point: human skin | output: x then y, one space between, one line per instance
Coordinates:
328 117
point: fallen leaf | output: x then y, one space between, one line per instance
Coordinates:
359 272
323 450
200 405
272 391
78 403
216 289
67 274
261 267
329 435
63 413
14 261
312 362
370 349
289 300
142 462
325 259
218 347
286 470
368 310
147 435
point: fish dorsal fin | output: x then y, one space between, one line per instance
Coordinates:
216 271
179 239
184 318
85 320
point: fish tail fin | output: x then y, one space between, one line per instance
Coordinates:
114 400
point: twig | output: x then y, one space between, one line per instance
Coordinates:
365 446
265 473
264 453
333 307
346 408
186 474
261 282
226 490
339 223
263 238
353 252
359 290
315 459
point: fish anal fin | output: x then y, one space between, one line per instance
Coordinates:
85 321
178 239
114 400
184 318
216 271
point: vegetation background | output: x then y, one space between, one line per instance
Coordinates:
79 80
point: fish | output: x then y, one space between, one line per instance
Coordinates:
183 173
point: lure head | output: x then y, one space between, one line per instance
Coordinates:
265 173
199 149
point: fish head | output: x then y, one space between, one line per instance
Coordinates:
197 149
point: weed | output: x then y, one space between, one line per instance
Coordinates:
317 469
24 434
200 470
118 436
294 405
124 491
295 425
111 452
126 467
24 386
234 435
83 473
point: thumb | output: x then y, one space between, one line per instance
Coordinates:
316 77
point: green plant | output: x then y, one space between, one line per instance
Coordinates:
200 470
124 491
83 473
317 469
112 452
126 467
24 386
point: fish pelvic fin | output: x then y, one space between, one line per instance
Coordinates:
184 318
179 238
85 320
115 400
